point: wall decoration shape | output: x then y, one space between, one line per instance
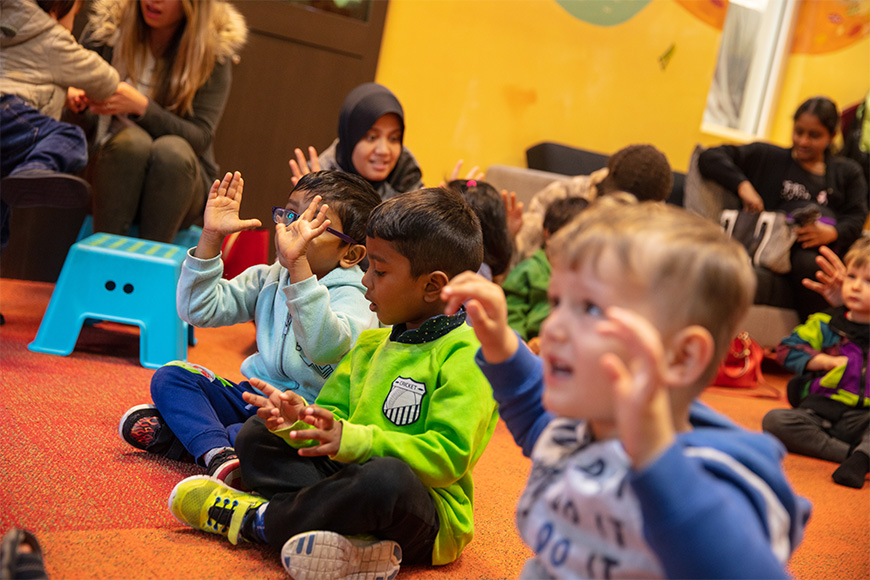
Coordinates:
603 12
821 26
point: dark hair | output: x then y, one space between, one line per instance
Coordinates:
641 170
562 211
351 197
825 111
434 228
57 8
487 203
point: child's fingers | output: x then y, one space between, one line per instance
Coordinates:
635 331
265 387
250 224
314 414
315 160
301 162
212 193
225 184
236 186
254 399
312 208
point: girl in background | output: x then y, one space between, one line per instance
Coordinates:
767 177
155 160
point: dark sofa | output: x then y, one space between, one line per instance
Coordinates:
567 160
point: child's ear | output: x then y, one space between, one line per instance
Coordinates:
688 355
352 256
434 283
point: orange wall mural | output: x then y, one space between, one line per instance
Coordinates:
821 25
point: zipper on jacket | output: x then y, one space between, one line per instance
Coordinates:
283 343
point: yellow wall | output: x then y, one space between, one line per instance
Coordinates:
482 80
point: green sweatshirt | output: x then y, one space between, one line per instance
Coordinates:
427 404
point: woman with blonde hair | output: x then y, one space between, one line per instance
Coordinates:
155 158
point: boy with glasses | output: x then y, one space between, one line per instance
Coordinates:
309 307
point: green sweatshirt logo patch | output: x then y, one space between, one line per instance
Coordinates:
404 400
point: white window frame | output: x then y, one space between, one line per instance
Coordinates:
765 71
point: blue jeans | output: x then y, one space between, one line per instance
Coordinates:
31 140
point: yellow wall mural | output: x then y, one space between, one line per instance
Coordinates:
482 80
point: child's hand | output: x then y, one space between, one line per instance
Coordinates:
221 216
76 101
642 406
830 277
826 362
299 166
326 430
473 173
277 407
514 211
292 240
487 309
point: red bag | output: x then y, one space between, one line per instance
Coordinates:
741 369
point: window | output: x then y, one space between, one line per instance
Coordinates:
755 41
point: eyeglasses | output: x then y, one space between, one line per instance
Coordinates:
282 215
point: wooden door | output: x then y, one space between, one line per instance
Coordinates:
301 60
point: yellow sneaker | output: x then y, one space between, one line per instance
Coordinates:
208 504
321 554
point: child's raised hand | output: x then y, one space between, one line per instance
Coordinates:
277 407
299 166
641 402
473 173
326 430
487 308
514 211
830 277
221 214
292 240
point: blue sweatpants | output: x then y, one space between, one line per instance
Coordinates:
204 411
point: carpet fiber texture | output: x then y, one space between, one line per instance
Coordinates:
99 508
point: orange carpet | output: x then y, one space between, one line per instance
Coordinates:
99 507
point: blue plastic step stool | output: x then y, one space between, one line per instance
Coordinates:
121 279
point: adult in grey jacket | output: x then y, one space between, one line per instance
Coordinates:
155 160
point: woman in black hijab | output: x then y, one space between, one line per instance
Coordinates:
371 127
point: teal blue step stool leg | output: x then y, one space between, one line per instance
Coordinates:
121 279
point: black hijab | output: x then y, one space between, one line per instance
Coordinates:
362 107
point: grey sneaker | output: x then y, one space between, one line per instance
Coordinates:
321 554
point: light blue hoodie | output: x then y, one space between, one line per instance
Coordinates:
303 329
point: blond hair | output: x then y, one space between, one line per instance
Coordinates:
686 265
187 62
859 253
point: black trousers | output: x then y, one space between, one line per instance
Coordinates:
381 497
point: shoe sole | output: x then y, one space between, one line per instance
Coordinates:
46 190
321 554
123 420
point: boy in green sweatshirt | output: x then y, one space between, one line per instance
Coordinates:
389 446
